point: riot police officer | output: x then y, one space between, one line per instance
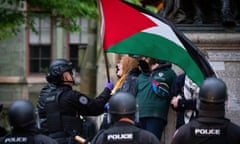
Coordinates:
3 131
211 126
21 115
59 106
122 113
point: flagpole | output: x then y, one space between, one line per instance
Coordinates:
106 64
104 53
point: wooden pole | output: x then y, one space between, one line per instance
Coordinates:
107 67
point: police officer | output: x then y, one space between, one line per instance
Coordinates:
3 131
59 107
211 126
21 115
122 113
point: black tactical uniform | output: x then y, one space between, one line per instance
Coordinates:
122 110
3 131
22 118
210 127
60 107
41 112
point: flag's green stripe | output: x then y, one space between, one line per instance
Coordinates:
159 47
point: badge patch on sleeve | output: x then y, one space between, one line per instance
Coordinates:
83 100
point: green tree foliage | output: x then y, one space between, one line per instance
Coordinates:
148 7
65 13
10 17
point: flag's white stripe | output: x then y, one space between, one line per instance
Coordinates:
162 29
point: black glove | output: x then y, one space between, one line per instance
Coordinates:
144 66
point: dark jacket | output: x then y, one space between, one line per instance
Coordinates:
41 104
72 102
64 114
44 93
183 104
129 85
130 82
208 130
124 133
154 103
27 136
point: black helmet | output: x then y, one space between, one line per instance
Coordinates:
21 114
56 70
1 107
122 103
213 90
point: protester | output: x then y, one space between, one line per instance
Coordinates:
153 94
60 107
21 116
127 70
122 113
210 126
184 94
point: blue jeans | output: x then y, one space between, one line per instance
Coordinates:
154 125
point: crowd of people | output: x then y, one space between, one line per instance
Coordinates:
136 108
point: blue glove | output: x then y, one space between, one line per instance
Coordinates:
109 85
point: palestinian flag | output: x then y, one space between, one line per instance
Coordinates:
130 29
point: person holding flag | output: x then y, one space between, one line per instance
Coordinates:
127 71
153 95
131 29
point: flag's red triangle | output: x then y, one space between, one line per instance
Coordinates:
121 21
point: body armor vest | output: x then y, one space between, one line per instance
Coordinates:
202 132
56 122
10 139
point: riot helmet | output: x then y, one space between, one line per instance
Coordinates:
212 96
21 114
56 70
213 90
122 104
1 107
